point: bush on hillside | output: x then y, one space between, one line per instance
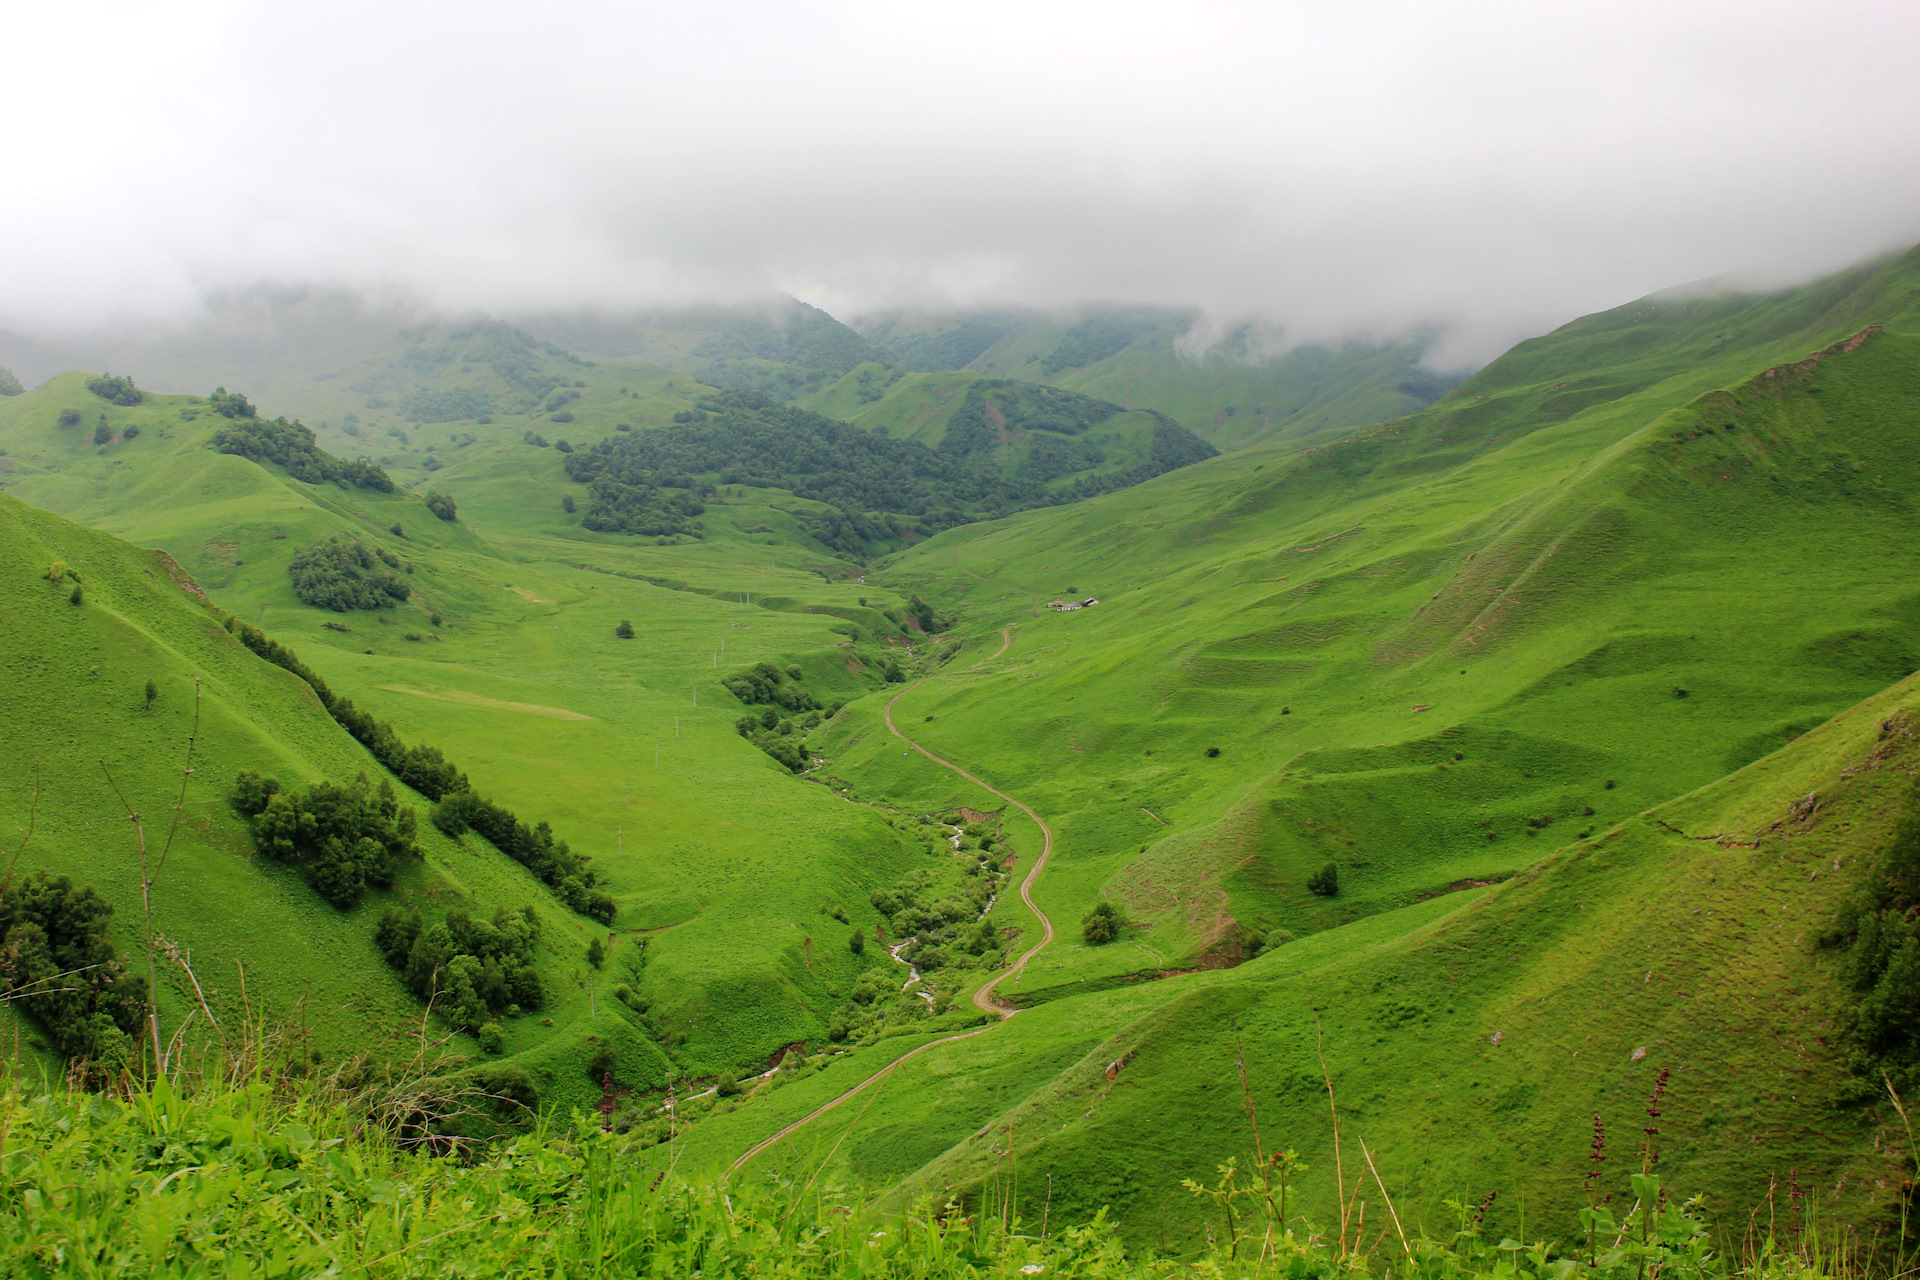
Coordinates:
120 391
342 576
231 404
102 434
1101 925
291 446
1882 938
341 838
68 418
10 383
625 630
129 431
1325 881
427 771
58 966
552 862
470 971
442 506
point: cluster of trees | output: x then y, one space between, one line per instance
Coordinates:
443 506
341 838
515 356
945 921
779 735
120 391
1049 457
882 490
287 444
10 384
427 771
1022 407
552 861
470 971
1089 342
344 575
1325 881
445 404
58 965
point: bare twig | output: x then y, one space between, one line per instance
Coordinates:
185 960
1391 1211
1339 1172
33 811
186 772
146 904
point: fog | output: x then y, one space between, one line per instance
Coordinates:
1485 169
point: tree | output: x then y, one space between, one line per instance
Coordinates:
566 504
102 433
153 691
1325 881
69 418
76 597
120 391
596 953
10 383
727 1085
858 942
624 630
441 505
1100 925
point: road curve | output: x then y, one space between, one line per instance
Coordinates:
983 998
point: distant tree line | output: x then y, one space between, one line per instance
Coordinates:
287 444
342 839
470 971
882 490
427 771
59 966
342 575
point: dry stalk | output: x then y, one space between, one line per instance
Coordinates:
33 812
146 905
1391 1211
1339 1171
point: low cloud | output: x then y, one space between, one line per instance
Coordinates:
1484 170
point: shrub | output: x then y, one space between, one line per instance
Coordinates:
491 1038
76 597
398 531
129 432
858 942
102 433
727 1086
341 838
596 953
625 630
1277 938
340 576
442 506
435 619
153 691
291 446
566 504
10 383
58 964
470 970
1325 881
1212 752
1100 925
120 391
564 415
68 418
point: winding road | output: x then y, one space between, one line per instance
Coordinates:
983 998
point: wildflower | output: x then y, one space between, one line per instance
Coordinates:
1032 1269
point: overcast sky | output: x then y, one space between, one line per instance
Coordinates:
1495 168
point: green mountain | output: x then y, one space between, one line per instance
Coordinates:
1246 388
1589 681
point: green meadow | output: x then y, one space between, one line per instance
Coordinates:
1590 681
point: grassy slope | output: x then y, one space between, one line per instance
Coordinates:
1232 398
726 862
1542 583
75 677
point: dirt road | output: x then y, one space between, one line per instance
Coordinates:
983 998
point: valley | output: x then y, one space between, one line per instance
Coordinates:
1590 677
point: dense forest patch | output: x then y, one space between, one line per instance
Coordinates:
346 575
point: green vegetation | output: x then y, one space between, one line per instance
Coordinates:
343 576
289 445
1325 881
468 971
442 506
120 391
343 839
60 968
10 383
1100 925
551 861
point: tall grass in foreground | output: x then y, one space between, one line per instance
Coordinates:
266 1179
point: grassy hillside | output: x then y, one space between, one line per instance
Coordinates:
77 714
1248 388
723 866
1432 653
